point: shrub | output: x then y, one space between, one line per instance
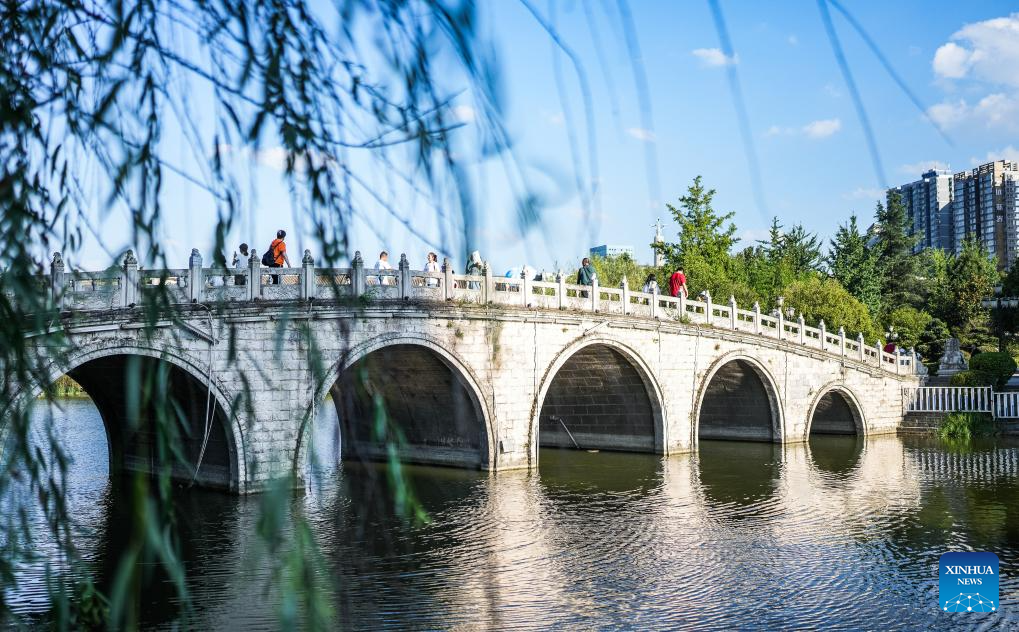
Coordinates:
965 425
972 378
826 299
1000 366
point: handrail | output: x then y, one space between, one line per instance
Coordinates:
122 286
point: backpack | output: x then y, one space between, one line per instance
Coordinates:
269 258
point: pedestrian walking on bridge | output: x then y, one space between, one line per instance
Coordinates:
586 275
276 256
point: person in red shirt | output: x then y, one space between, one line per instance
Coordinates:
677 283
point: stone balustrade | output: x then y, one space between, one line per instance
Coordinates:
126 285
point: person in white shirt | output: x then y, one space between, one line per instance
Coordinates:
650 284
383 264
432 265
240 263
475 267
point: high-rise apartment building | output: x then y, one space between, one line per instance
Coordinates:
928 204
984 208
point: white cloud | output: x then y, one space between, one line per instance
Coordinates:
863 193
917 168
714 57
641 134
952 61
274 158
750 236
994 110
464 114
814 130
823 128
1011 152
987 50
555 118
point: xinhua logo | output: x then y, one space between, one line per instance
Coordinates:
968 582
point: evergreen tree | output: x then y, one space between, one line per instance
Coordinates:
771 248
971 279
855 266
802 250
896 263
705 241
702 231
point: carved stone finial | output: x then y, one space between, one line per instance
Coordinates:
195 260
130 259
842 331
357 257
58 259
821 324
308 259
757 306
254 258
403 260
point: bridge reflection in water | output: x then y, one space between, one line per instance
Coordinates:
604 539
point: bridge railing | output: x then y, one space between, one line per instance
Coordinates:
1006 405
949 399
124 287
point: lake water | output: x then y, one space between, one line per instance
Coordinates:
836 534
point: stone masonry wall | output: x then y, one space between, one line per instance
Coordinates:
506 359
603 402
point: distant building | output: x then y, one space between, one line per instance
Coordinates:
928 203
985 206
607 251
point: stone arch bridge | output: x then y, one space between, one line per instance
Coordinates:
475 371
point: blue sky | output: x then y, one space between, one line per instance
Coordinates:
961 59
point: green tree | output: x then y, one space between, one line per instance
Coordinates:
611 271
896 262
855 266
702 231
825 299
802 250
932 342
970 279
933 264
909 323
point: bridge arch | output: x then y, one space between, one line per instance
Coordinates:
757 416
429 390
631 400
835 410
102 373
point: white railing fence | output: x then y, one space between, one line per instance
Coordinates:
947 399
1006 405
125 286
960 399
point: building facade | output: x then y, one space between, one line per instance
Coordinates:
983 210
606 251
928 204
982 204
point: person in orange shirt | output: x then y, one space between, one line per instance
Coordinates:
278 254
